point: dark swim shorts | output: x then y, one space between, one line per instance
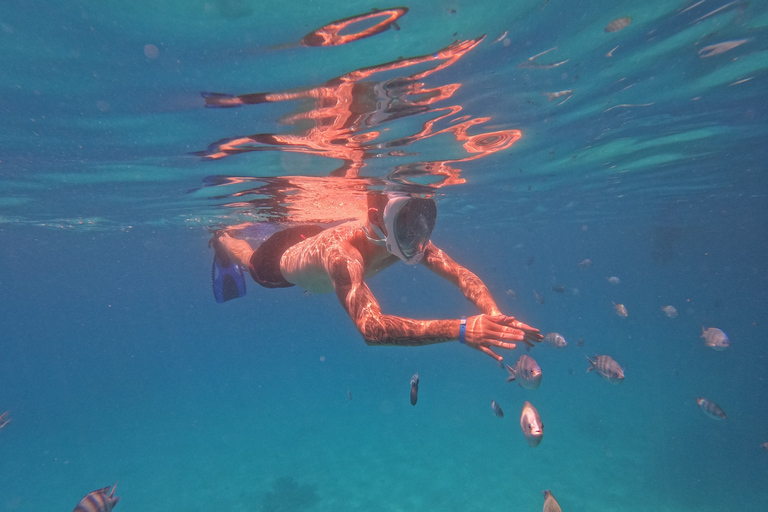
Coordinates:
265 261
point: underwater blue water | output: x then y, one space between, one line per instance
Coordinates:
116 364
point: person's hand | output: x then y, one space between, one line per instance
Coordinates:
485 332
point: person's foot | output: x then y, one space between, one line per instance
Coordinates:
218 248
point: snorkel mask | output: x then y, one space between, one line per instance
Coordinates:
409 222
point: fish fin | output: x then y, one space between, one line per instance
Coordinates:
512 374
703 332
591 363
112 492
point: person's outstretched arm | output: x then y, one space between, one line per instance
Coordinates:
345 267
475 290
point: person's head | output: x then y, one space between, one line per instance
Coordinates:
402 223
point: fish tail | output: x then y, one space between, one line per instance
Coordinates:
591 364
512 374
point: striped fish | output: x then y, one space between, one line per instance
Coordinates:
607 368
556 340
414 388
710 408
100 500
526 372
715 338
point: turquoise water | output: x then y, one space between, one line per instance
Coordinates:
118 365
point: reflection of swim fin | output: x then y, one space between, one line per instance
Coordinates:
227 279
220 100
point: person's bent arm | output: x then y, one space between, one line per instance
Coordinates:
471 286
483 331
345 269
483 327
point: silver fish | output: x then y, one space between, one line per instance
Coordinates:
614 280
550 503
4 419
496 408
607 368
764 446
621 310
100 500
530 422
670 311
715 338
526 372
710 408
585 263
556 340
414 388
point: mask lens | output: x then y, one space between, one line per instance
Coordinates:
414 225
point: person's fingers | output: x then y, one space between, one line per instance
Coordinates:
491 353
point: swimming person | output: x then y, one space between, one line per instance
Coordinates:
339 258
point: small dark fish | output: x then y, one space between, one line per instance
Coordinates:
100 500
618 24
530 261
607 368
764 446
539 297
550 503
580 342
414 388
4 419
349 395
710 408
496 409
558 289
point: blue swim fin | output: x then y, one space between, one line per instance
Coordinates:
227 280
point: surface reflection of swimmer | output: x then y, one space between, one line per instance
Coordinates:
320 259
338 119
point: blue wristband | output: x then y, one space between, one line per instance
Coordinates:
463 331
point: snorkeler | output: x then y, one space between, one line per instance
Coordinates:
319 259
